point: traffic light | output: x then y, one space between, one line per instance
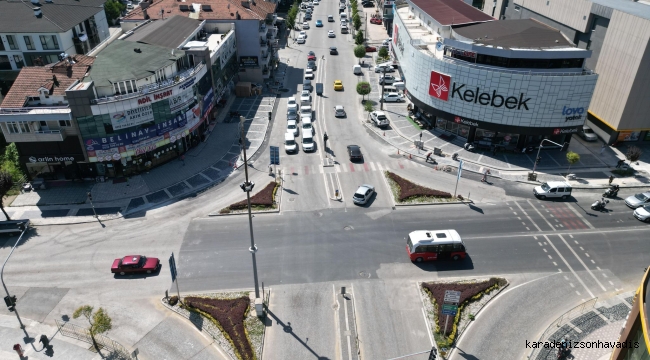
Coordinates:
565 146
433 353
90 196
10 301
539 158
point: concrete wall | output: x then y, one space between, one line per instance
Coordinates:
623 66
548 94
523 13
102 25
66 43
573 13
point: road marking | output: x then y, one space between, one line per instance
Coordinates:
372 166
569 266
380 166
579 215
347 329
545 250
540 214
531 220
583 264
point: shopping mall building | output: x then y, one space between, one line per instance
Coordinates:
636 331
507 83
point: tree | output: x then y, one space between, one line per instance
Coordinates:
369 106
572 158
358 39
363 89
99 321
113 9
633 153
291 16
359 52
383 52
6 183
356 21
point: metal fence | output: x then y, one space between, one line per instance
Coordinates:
563 320
116 350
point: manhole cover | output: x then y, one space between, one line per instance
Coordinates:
291 199
348 228
364 274
319 214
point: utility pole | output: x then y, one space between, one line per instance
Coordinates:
247 186
23 226
383 82
90 197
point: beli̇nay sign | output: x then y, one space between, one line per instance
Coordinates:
132 117
248 61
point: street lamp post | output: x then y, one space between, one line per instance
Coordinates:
247 186
540 149
23 225
383 82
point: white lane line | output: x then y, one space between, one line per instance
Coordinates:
372 166
380 166
581 262
569 266
540 214
580 216
531 220
347 329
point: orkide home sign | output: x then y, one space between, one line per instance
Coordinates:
248 61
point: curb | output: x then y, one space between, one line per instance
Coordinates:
437 203
274 211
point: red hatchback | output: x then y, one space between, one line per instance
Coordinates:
371 49
311 58
135 264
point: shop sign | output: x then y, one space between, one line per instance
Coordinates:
179 121
187 83
561 131
572 113
147 99
439 85
132 117
248 61
145 146
51 158
461 52
628 136
460 120
106 155
181 100
207 102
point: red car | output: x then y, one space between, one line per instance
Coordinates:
371 49
311 58
375 20
135 264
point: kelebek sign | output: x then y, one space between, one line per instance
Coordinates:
439 85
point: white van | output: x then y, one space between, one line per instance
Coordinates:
356 69
553 189
344 16
399 85
389 89
307 141
305 110
425 245
290 143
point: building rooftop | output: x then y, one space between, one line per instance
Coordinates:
511 34
32 78
640 9
451 12
205 10
171 32
17 16
125 60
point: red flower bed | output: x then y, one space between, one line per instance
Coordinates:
262 198
467 291
408 189
230 315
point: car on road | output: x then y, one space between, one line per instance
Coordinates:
303 34
370 49
305 99
308 16
305 110
376 21
367 4
316 2
305 117
354 152
338 85
292 114
333 51
339 111
387 79
305 25
383 67
363 194
642 213
344 29
330 18
319 23
292 127
301 40
307 126
311 65
309 74
638 200
379 119
393 97
344 23
587 134
311 56
292 104
331 33
133 264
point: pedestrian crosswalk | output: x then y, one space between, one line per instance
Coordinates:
349 167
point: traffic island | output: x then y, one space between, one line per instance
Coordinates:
450 306
407 193
263 201
228 317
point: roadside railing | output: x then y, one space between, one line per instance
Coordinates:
561 321
77 332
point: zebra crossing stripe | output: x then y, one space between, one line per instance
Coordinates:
372 166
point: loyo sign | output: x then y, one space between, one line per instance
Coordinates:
572 113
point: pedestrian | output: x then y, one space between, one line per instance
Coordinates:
428 157
620 163
611 178
602 149
485 174
494 150
183 159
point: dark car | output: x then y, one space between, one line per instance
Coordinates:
367 4
333 51
354 151
135 264
370 49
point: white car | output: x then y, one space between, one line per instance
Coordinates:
309 74
316 2
305 25
301 40
305 100
393 97
363 194
305 118
387 79
305 110
642 213
303 33
339 111
344 23
331 33
383 67
292 104
307 126
292 126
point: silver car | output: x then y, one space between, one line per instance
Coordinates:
339 111
638 200
642 213
363 194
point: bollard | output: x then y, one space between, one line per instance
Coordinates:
342 290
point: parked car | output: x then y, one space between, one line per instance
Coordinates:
301 40
292 104
331 34
305 25
330 18
133 264
311 65
387 79
319 23
638 200
354 151
292 114
305 99
333 51
303 34
642 213
339 111
292 127
587 134
379 119
338 85
370 49
309 74
393 97
363 194
376 20
383 67
368 4
307 126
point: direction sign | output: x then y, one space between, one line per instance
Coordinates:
452 296
172 267
275 155
448 309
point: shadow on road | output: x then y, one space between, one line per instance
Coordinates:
287 328
447 265
465 355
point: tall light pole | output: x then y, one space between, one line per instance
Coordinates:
247 186
383 82
24 224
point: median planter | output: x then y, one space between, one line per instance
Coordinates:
406 192
263 200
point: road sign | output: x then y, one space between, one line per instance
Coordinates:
449 309
275 155
172 267
452 296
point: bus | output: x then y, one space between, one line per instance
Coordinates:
428 245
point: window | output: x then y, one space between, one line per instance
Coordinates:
49 42
19 61
28 43
18 127
4 62
65 123
13 45
2 45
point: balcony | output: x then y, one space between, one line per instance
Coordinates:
263 28
36 136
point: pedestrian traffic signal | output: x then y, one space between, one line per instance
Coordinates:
539 158
10 301
90 196
565 146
